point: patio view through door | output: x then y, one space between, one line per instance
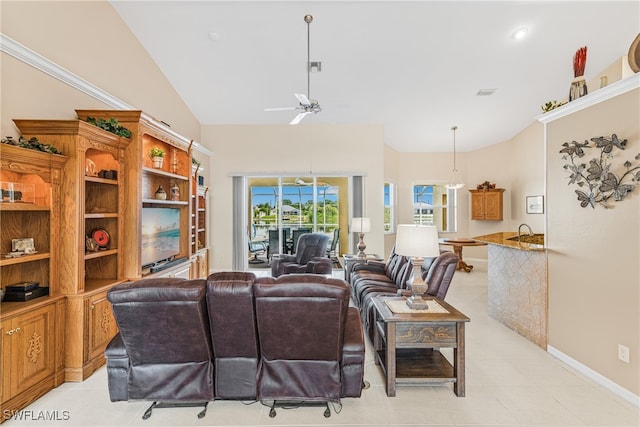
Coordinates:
280 208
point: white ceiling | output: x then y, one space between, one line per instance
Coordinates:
414 67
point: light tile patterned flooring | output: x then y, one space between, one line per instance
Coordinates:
510 382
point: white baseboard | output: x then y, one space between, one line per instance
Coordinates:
595 376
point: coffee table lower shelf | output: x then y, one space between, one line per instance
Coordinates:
419 366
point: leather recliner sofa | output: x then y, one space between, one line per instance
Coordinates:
234 336
391 278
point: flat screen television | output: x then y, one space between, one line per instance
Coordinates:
160 234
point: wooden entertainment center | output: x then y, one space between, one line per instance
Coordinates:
88 234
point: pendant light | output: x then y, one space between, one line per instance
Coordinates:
455 182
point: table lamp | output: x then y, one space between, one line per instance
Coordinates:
417 242
361 225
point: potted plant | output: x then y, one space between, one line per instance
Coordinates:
157 154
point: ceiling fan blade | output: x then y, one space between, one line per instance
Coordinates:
280 108
302 98
299 117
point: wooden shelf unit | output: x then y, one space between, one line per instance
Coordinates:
199 223
31 332
143 180
91 202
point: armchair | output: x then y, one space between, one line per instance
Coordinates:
309 257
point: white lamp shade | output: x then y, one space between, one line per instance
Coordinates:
360 225
417 240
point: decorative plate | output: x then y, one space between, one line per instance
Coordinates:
101 237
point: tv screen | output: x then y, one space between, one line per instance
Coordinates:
160 234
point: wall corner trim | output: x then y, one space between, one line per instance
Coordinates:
595 376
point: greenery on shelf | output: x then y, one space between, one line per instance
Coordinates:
156 152
32 144
110 125
551 105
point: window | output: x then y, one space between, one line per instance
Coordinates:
389 207
434 205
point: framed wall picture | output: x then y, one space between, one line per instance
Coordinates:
535 204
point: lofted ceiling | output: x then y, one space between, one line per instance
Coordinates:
414 67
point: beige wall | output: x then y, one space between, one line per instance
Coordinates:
516 165
90 40
594 276
283 149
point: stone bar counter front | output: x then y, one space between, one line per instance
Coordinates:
517 284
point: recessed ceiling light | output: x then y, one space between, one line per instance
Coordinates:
520 33
485 92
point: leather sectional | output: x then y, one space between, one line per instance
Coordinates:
235 336
376 278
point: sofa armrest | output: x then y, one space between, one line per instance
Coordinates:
320 265
117 369
115 349
353 349
372 266
353 345
278 263
403 293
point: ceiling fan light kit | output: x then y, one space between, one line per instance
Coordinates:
305 103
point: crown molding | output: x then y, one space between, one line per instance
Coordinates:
595 97
39 62
34 59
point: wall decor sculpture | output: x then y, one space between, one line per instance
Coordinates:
601 179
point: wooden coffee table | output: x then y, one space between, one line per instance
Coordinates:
407 343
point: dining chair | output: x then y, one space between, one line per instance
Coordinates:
331 252
296 236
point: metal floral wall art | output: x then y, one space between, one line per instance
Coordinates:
599 180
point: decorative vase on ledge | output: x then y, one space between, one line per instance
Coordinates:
578 88
579 83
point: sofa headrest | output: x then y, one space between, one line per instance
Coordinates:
162 289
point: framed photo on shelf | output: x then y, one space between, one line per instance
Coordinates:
535 204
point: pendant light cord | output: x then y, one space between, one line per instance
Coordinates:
453 128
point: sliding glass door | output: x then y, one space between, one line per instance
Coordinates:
281 207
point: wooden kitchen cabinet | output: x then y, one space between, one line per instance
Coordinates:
487 204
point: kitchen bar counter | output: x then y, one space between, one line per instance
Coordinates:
503 237
517 285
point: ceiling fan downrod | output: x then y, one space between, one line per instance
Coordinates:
308 19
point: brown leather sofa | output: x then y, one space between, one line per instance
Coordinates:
234 336
376 278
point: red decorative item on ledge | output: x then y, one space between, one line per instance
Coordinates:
579 62
579 83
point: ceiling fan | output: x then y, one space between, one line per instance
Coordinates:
306 105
